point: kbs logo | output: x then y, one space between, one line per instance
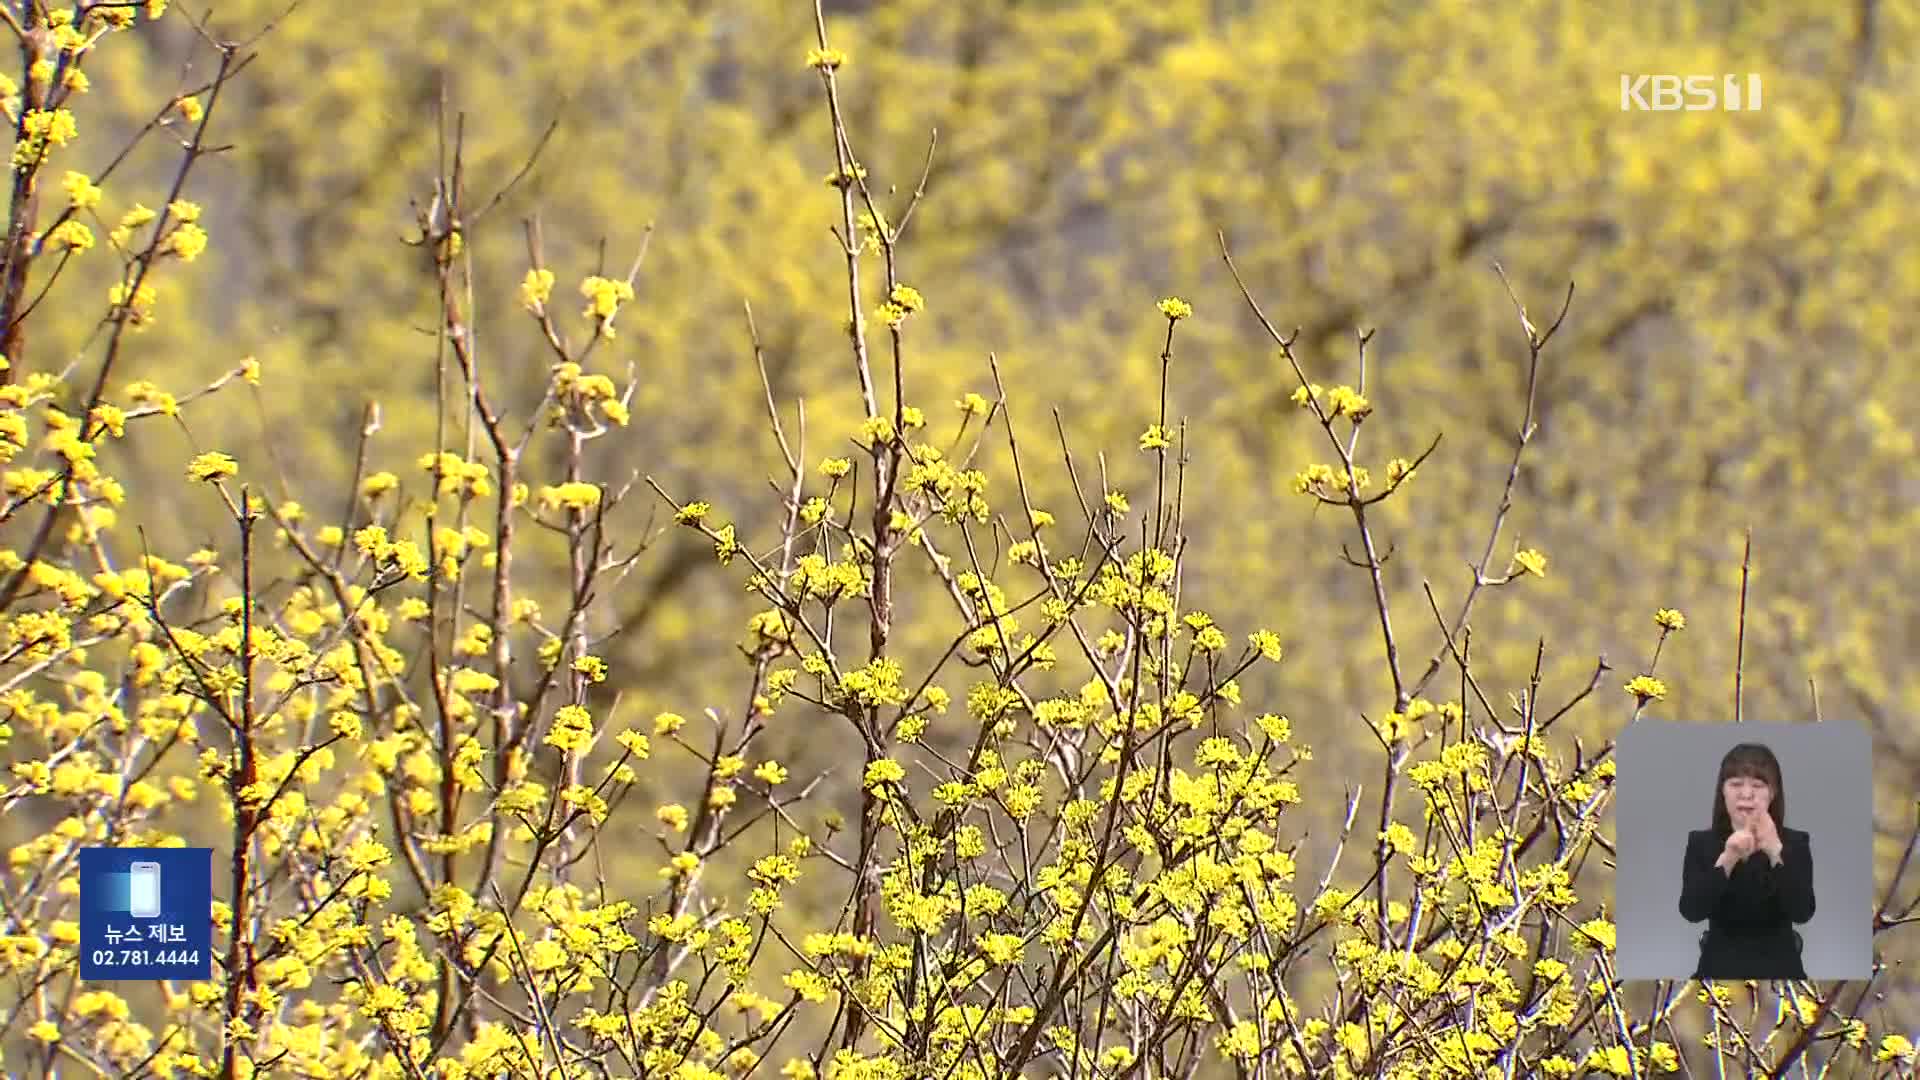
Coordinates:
1691 93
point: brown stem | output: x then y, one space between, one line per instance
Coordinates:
23 211
241 979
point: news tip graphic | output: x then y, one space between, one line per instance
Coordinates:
146 913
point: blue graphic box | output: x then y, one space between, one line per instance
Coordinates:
146 913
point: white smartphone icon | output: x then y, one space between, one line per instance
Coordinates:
143 890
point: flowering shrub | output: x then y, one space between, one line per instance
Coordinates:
1074 848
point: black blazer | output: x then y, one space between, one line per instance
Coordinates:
1750 912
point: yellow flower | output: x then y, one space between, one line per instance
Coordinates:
367 854
1350 403
1277 728
111 418
1002 948
908 298
1895 1048
883 772
604 296
379 484
1645 687
71 234
80 190
1610 1059
1176 309
41 130
1597 932
536 289
1669 619
187 241
1530 561
211 466
138 303
1400 838
572 730
574 495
